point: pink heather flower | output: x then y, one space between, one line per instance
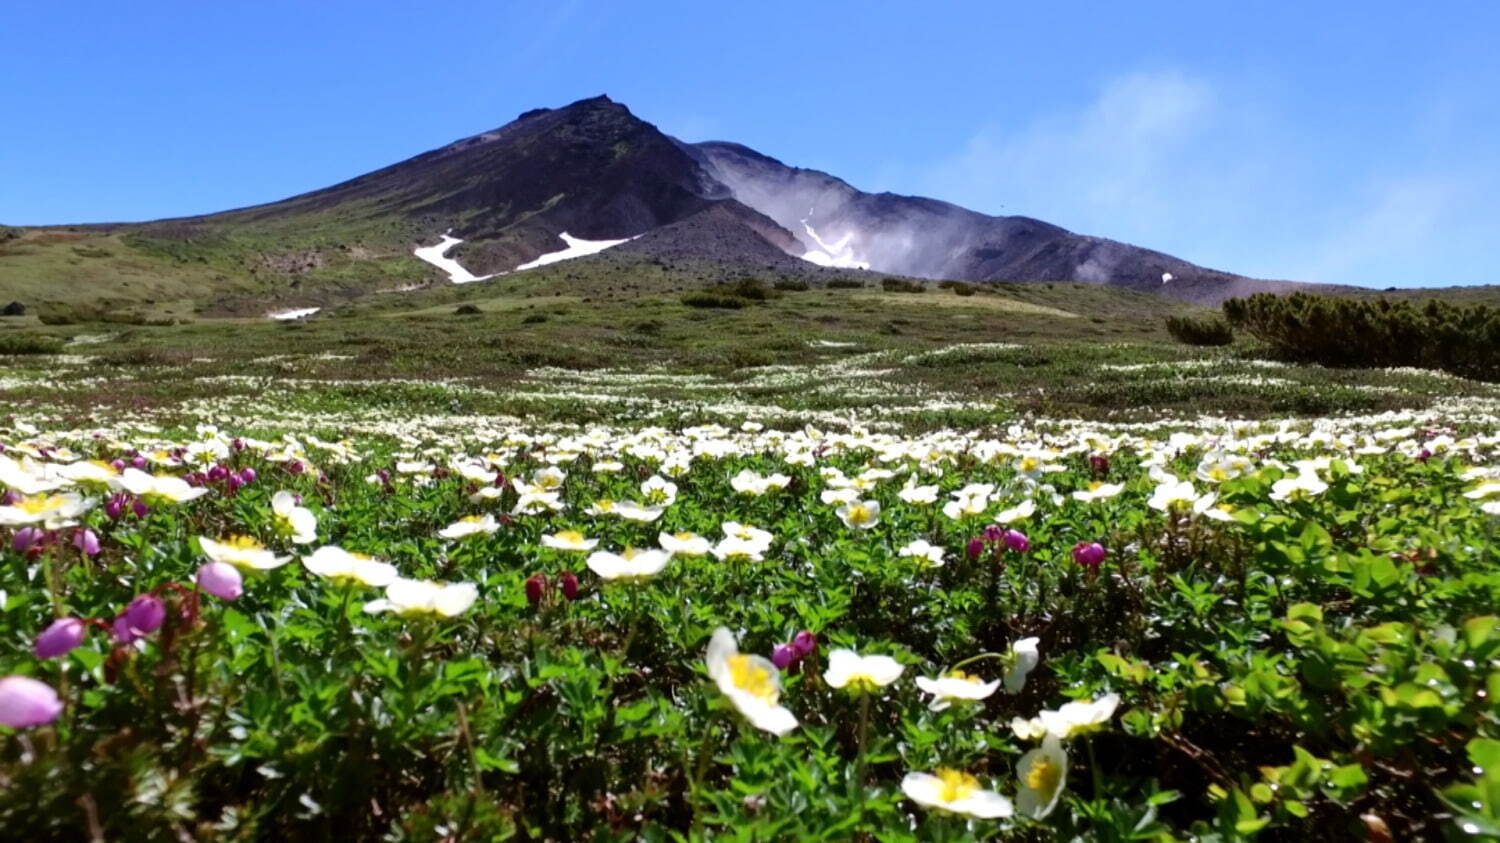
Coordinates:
217 473
123 633
976 547
992 533
569 585
295 467
26 537
140 509
805 642
1099 464
87 541
237 445
222 580
115 507
117 465
25 702
139 462
59 638
145 613
783 655
1016 540
10 497
1089 554
248 475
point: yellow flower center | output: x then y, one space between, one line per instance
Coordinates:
605 505
959 674
101 464
684 537
242 543
1043 775
471 519
1030 464
548 481
858 514
570 537
39 503
957 784
752 678
1218 473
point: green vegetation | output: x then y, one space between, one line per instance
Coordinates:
1464 340
1206 332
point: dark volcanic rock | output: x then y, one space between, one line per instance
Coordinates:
15 308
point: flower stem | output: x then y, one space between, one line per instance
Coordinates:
1094 771
859 758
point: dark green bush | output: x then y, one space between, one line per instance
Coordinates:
845 284
791 285
713 298
30 344
1210 331
1358 333
534 319
901 285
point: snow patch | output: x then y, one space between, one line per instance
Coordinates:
293 314
577 248
435 255
837 255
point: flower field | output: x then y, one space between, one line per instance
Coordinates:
1285 629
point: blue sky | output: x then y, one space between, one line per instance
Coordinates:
1337 141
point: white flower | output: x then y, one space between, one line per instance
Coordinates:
1080 718
1301 485
862 674
1207 506
30 477
470 525
242 552
969 501
632 564
570 540
411 598
913 494
1172 493
296 522
923 550
631 511
659 491
94 474
159 490
1026 658
748 482
954 686
338 564
533 500
860 516
1484 490
1022 510
683 544
752 683
52 511
736 548
839 497
1028 729
956 792
548 479
1043 773
1098 492
608 467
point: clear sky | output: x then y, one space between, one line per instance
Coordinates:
1332 141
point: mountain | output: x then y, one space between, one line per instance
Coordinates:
594 171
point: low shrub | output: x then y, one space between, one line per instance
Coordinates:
791 285
1210 331
28 343
901 285
845 284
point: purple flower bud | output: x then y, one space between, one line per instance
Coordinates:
234 483
805 642
248 475
238 444
221 579
976 547
26 537
782 655
992 533
569 585
140 509
139 462
194 479
87 541
115 507
295 467
1424 456
145 613
59 638
25 702
1099 464
117 464
10 497
123 633
1089 554
217 473
1017 541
